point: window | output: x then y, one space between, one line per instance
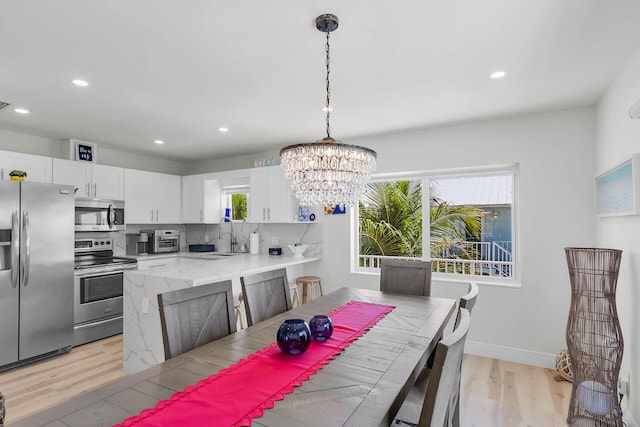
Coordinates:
465 219
236 198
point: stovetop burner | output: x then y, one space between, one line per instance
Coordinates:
96 255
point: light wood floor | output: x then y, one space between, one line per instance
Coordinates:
494 393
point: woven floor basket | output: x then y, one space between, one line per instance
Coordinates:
563 365
1 410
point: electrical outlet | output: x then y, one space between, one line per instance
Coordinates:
623 383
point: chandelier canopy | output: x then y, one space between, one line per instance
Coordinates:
328 172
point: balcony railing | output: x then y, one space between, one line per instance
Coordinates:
492 259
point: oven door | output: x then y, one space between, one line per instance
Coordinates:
97 296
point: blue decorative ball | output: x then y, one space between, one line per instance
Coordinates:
294 336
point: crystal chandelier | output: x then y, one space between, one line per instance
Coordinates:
328 172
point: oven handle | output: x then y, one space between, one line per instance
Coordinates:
96 274
99 322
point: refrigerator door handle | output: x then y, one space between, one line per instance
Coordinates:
24 260
15 249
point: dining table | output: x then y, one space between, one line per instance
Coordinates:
364 384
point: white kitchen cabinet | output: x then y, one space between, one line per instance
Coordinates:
152 198
271 198
201 203
91 180
38 168
167 195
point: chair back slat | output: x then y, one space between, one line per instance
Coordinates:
409 277
195 316
265 295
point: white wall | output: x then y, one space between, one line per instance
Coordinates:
556 155
617 137
229 163
30 144
22 143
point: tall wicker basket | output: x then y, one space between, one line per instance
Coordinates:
1 410
594 337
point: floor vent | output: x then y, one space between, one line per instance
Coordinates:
3 104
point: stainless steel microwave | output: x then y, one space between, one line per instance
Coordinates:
99 215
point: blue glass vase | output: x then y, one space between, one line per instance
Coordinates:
294 336
321 327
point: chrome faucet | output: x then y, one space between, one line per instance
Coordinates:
232 239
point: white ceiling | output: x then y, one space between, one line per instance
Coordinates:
178 70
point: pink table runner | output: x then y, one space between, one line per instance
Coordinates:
241 392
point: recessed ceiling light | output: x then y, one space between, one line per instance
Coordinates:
325 109
79 82
497 74
159 141
223 129
21 111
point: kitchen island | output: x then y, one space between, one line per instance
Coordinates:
142 335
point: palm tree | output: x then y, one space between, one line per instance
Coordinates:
391 222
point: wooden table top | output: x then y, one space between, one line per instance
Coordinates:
363 386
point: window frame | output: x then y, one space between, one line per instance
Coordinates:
426 177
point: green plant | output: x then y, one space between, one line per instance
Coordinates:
17 172
391 222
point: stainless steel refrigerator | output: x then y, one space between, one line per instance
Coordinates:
36 270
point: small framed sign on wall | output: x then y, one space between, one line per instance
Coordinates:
85 151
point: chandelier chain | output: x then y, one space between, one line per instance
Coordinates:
327 106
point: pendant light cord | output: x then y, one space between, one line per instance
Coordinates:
327 106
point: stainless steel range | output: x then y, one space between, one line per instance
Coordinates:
98 279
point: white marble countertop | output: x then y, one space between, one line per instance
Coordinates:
198 268
142 340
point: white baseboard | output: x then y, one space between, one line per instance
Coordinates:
627 416
510 354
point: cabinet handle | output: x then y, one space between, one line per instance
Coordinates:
95 189
157 215
151 212
2 173
264 214
88 192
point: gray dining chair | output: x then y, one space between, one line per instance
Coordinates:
194 316
429 403
467 301
402 276
265 295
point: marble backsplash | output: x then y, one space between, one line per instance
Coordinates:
271 235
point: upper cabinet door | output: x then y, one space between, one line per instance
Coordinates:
271 197
78 174
107 182
193 199
281 198
38 168
138 197
259 197
167 198
200 199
